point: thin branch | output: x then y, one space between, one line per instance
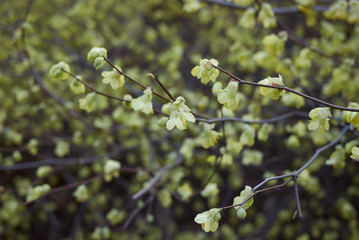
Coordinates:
297 196
277 187
289 90
163 87
135 81
303 43
157 178
64 161
67 187
310 161
277 10
47 91
89 86
154 92
136 211
76 184
269 120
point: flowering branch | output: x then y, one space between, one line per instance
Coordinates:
89 86
278 10
293 176
287 89
157 178
269 120
134 80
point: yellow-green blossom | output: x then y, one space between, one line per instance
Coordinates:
211 189
337 158
320 119
114 78
144 102
352 117
111 170
37 192
205 71
209 219
266 16
209 137
272 92
179 115
81 193
355 153
245 194
229 96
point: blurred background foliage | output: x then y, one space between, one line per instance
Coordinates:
311 45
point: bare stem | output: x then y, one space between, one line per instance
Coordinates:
89 86
278 10
269 120
297 196
310 161
135 81
163 87
277 187
293 176
289 90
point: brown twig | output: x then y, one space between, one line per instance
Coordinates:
163 87
269 120
277 10
241 81
293 176
277 187
157 178
135 81
297 196
89 86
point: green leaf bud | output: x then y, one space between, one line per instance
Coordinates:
57 73
96 52
241 213
99 63
127 104
88 103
